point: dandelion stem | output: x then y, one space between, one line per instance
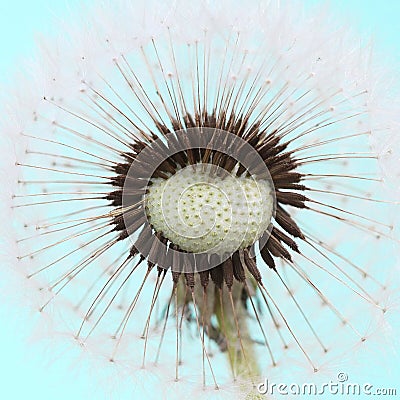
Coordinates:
232 318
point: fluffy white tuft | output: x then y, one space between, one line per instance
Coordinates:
270 50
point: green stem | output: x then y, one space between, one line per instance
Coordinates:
232 332
233 322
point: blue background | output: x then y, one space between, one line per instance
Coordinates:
25 373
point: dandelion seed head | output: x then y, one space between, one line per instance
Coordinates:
110 132
201 213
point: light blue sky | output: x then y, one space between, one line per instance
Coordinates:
21 20
24 374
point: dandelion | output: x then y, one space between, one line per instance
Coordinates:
199 190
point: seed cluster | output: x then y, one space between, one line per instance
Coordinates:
153 243
204 213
